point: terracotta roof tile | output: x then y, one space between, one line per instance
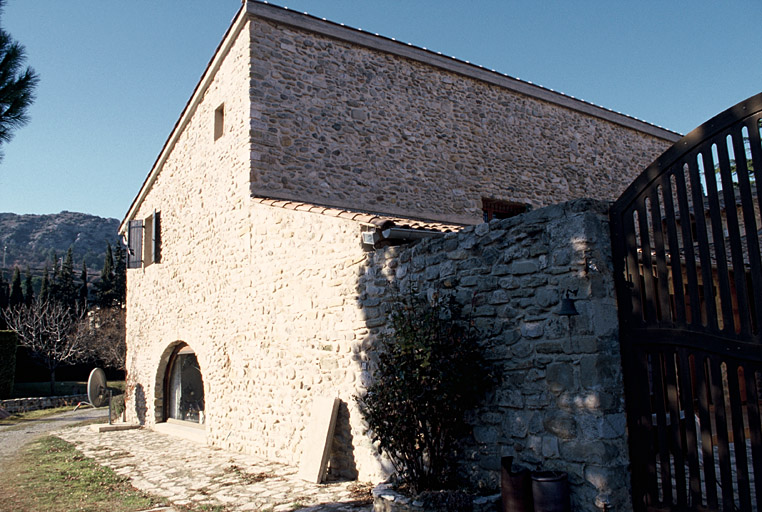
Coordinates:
376 220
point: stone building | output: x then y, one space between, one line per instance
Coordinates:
306 147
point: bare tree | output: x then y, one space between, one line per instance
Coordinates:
52 333
103 332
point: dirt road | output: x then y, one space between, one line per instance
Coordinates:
13 437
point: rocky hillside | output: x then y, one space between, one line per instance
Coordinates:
33 239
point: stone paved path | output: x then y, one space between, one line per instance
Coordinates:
186 472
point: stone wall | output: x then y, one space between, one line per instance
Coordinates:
349 125
15 405
560 405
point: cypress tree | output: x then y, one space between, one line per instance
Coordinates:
28 288
17 296
5 292
56 265
120 275
83 287
45 288
54 288
105 292
67 289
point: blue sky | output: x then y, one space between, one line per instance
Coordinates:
116 75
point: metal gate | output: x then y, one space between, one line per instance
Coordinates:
686 246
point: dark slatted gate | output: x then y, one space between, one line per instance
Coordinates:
686 244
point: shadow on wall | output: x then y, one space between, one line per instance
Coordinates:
342 462
140 404
560 404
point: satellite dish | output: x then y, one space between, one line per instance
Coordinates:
97 392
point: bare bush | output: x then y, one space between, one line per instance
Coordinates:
51 332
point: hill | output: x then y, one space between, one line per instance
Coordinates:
33 239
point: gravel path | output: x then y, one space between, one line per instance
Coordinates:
13 437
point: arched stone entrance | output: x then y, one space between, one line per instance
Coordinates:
180 386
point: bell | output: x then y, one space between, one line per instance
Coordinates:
567 306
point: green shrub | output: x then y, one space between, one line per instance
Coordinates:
7 363
430 372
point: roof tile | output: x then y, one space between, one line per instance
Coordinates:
376 220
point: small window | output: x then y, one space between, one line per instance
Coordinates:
219 121
497 209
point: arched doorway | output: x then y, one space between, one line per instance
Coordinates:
183 387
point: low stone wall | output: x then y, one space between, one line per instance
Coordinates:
32 404
560 403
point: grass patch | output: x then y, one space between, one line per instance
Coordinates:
51 474
117 386
21 417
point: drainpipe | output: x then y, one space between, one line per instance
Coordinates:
406 234
395 236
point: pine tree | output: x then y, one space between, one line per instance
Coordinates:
83 287
45 288
17 296
17 86
28 288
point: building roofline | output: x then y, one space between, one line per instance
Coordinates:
305 21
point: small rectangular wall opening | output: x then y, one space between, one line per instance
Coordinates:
499 209
219 121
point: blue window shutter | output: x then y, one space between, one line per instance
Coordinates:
135 244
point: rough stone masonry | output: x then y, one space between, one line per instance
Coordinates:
560 405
